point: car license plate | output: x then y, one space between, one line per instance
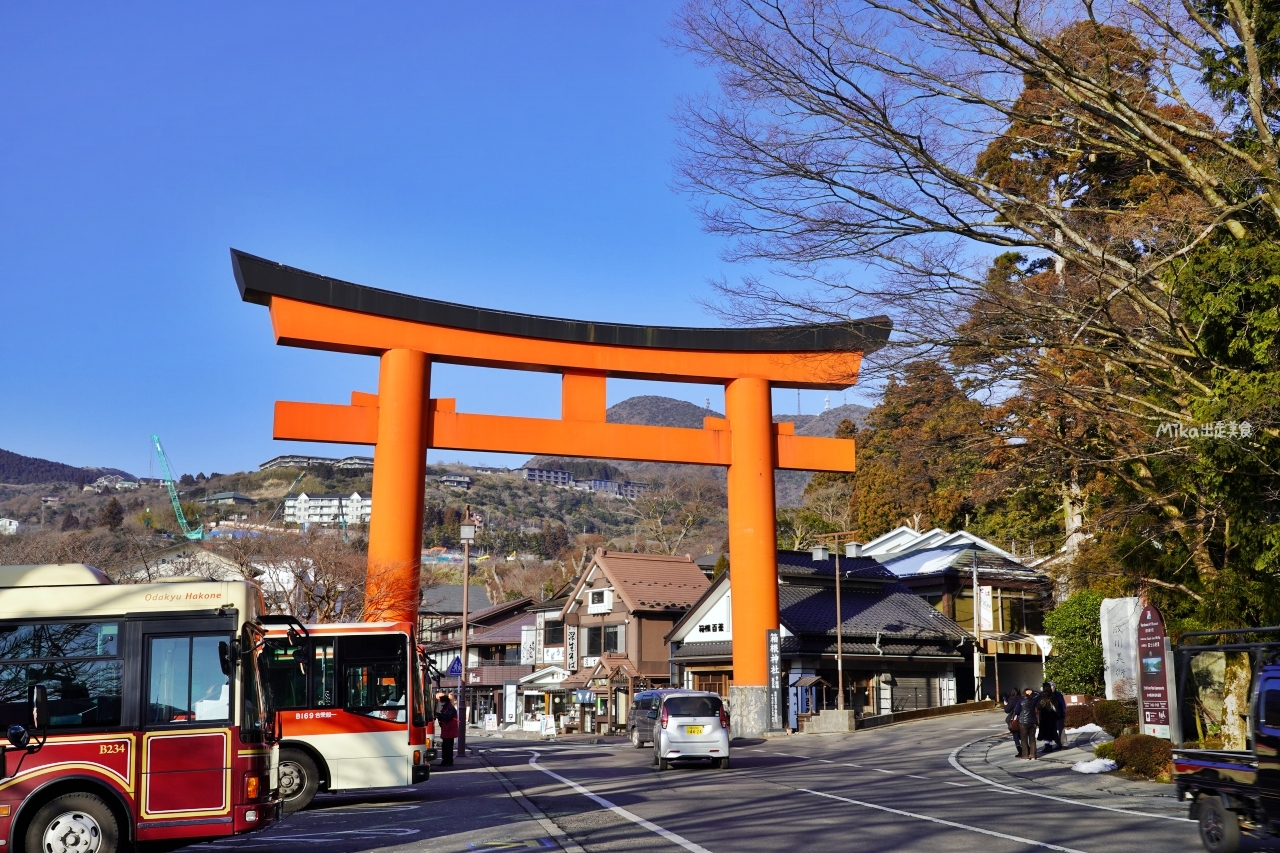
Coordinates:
693 730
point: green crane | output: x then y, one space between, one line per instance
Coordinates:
187 531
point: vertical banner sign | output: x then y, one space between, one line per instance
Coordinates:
1119 618
986 614
1152 677
571 647
510 704
773 647
528 644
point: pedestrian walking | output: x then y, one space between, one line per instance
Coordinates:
1023 720
1010 705
1048 717
1060 702
448 719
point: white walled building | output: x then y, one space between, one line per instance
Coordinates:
329 510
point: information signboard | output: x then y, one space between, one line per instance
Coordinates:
773 646
1152 676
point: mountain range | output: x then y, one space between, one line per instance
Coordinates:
653 410
19 470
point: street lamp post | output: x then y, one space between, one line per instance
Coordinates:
467 533
820 553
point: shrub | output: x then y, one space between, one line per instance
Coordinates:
1114 717
1147 756
1079 715
1106 750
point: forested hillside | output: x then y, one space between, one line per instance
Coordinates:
16 469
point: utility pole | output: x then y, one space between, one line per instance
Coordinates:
977 634
467 533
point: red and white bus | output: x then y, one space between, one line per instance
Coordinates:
149 721
352 708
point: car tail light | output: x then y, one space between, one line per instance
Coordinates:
251 787
663 720
724 718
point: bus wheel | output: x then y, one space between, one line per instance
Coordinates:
299 779
74 823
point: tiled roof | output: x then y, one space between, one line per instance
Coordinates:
896 613
476 617
446 599
654 581
959 558
505 632
802 564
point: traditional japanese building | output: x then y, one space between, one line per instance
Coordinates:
899 653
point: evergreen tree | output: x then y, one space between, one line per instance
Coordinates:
112 515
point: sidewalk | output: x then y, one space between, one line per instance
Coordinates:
995 760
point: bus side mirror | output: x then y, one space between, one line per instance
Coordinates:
227 653
39 707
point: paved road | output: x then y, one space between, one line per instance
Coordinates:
892 789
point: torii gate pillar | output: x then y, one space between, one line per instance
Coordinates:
402 421
393 586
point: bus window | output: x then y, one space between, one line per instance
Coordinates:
375 669
77 662
187 682
286 673
323 691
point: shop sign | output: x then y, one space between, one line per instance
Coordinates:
1153 676
571 647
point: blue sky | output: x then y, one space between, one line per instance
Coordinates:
517 158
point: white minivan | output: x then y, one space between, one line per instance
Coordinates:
690 724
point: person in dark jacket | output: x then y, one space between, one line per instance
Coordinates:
1059 702
447 716
1025 713
1048 717
1010 704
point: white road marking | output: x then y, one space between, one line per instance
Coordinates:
878 770
826 760
957 784
621 812
913 776
939 820
955 762
853 765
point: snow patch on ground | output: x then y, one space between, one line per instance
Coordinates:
1097 765
1085 729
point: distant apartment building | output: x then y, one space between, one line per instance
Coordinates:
328 510
547 475
359 464
126 486
9 526
227 499
52 501
456 481
490 469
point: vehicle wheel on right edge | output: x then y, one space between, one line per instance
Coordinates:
74 822
299 780
635 739
1219 827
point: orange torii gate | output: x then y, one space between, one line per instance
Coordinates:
402 421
